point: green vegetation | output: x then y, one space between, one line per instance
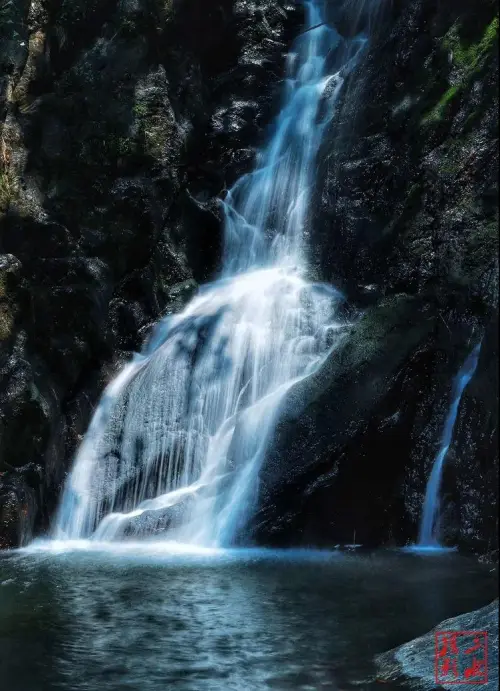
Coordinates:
439 109
7 310
141 109
154 127
468 59
3 287
9 191
156 133
114 146
6 321
454 154
125 146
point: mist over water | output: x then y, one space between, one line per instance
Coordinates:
177 441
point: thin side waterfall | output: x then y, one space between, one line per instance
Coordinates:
429 536
178 438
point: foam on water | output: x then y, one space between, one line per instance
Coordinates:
168 551
428 549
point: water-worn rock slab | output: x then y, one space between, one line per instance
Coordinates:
413 662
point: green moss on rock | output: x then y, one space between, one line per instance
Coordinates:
141 110
468 59
441 106
6 321
454 152
473 56
9 191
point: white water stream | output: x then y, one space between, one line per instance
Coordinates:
177 441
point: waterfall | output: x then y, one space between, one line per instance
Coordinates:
428 530
177 441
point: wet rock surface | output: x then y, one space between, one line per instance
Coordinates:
406 223
413 663
121 123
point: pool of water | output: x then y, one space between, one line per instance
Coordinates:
159 619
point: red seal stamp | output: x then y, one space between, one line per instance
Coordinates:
461 657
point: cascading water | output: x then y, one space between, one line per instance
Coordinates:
179 436
429 530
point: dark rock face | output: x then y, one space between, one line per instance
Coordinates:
405 222
120 125
413 663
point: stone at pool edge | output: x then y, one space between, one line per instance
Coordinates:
412 663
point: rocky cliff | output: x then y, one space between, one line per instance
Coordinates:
123 122
406 220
